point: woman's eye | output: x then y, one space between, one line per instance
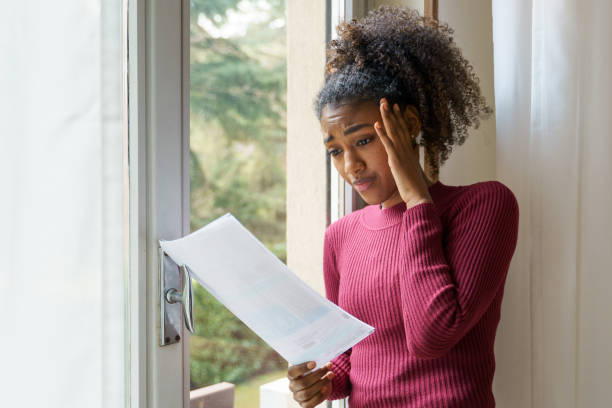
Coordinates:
364 141
361 142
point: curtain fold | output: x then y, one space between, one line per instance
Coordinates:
61 248
552 91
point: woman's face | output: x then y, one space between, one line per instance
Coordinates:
357 152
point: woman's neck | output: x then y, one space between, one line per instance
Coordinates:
396 198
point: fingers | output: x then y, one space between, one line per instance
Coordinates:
302 383
312 388
401 123
387 143
298 370
317 398
395 125
315 394
386 114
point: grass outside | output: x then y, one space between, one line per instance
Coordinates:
247 393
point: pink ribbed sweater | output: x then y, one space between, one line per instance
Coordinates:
430 279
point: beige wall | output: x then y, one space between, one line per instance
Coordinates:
417 4
473 24
306 168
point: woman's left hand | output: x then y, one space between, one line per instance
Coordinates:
402 153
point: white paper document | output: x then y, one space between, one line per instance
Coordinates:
257 287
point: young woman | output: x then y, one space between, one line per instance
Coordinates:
424 263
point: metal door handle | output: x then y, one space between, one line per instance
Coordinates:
174 304
185 297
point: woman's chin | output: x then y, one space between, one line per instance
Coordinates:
373 195
370 199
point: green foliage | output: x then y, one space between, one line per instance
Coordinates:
223 348
238 133
216 9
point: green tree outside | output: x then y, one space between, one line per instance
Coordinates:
238 142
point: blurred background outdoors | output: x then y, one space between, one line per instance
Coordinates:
238 140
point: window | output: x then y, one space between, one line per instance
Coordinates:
237 153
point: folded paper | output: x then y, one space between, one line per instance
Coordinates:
259 289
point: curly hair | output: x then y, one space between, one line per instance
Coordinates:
395 53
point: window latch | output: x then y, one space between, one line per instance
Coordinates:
175 304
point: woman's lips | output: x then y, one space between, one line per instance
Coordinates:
364 184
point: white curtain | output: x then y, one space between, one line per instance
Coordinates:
61 245
553 93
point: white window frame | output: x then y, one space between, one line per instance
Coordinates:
342 195
343 198
156 81
156 103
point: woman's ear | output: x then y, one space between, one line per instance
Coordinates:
411 116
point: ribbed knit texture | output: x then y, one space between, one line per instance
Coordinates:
430 279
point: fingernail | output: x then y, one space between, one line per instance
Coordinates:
310 365
377 125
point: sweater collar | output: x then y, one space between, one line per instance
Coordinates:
376 218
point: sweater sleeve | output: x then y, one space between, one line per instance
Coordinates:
445 294
341 365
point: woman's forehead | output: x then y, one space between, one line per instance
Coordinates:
342 116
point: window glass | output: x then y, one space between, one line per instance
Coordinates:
238 139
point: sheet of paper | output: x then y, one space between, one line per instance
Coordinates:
257 287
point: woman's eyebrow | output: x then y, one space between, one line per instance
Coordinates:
355 128
348 131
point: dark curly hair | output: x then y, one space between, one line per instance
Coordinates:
411 60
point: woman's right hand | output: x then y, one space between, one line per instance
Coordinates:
311 389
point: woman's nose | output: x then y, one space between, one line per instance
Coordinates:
353 164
